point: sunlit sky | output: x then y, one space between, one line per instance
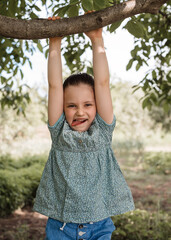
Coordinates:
118 47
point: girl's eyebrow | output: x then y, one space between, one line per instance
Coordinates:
68 103
89 102
75 103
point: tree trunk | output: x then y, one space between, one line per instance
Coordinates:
42 28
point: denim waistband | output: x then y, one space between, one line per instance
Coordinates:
76 225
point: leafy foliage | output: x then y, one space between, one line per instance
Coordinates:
13 55
19 181
159 116
152 40
154 44
159 163
140 224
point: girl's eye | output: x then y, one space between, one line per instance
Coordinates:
71 106
88 104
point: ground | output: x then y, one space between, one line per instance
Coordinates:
24 224
151 192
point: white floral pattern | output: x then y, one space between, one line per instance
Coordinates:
82 181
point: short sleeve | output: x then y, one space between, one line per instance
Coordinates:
106 129
56 129
105 125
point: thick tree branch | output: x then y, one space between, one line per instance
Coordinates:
42 28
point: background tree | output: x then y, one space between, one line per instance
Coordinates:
151 32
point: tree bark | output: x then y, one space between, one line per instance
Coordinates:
42 28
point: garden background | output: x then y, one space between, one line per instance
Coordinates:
142 137
142 146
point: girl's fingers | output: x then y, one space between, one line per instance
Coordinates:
89 11
53 18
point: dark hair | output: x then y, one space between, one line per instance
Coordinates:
76 79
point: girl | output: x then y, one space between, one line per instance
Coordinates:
82 185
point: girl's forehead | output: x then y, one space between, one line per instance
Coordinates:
81 91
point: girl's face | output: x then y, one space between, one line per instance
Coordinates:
79 106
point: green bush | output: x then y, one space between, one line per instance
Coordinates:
128 145
142 225
19 181
158 162
9 163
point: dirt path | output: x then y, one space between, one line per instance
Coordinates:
25 224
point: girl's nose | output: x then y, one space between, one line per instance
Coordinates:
80 111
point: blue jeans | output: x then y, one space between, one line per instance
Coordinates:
102 230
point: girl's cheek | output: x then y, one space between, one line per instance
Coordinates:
70 113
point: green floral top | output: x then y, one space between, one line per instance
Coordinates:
82 181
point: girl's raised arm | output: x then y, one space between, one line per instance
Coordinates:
55 96
101 76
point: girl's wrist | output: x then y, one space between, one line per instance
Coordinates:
55 43
55 40
97 41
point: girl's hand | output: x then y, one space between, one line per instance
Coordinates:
97 33
53 18
55 38
94 34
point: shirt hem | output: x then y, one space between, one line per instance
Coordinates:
82 220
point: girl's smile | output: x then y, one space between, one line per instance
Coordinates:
79 106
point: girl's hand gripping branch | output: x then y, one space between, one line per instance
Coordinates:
101 76
55 96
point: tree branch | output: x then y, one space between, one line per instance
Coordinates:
42 28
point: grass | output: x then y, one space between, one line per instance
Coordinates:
151 189
137 149
150 192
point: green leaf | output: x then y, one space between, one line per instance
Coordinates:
135 28
145 102
30 64
15 71
40 47
12 8
134 51
43 2
87 5
61 11
37 8
21 73
3 80
90 70
114 26
166 107
108 3
136 88
46 53
129 65
153 97
154 74
33 15
138 66
72 11
74 2
99 4
146 85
